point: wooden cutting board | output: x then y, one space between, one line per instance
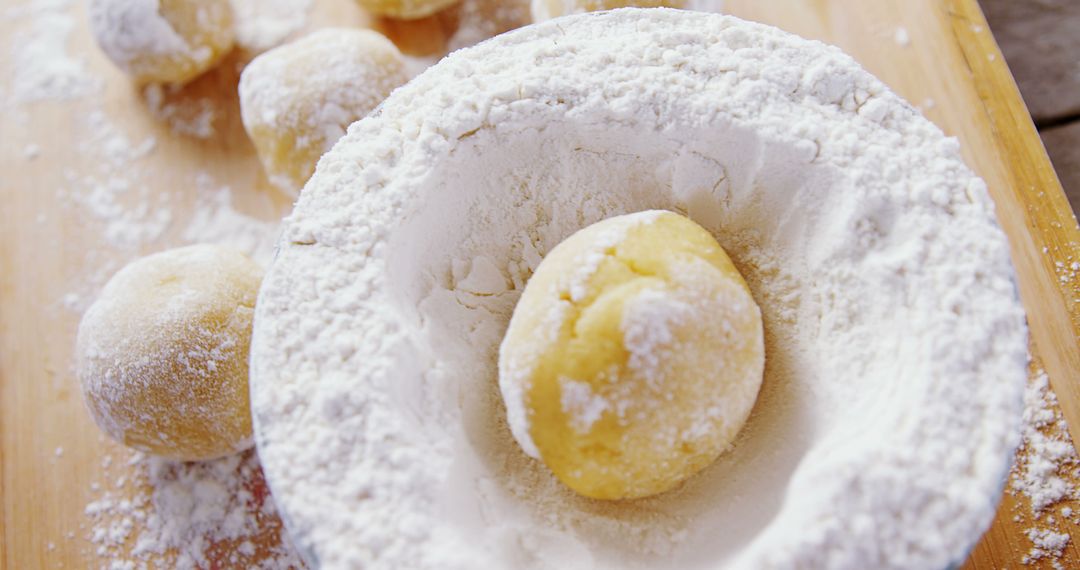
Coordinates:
939 54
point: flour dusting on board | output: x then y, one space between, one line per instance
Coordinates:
188 515
193 117
42 69
1044 474
113 192
216 221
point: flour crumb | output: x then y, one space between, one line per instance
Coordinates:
1046 544
1046 453
901 37
31 152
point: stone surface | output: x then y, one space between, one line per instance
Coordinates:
1041 41
1063 146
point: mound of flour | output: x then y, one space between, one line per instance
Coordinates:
895 343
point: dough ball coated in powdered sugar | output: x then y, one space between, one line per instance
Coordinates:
296 100
167 41
405 9
547 9
162 355
633 357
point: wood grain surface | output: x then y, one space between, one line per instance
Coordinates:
53 254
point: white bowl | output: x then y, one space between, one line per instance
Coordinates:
896 345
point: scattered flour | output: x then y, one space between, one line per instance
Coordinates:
168 514
1046 452
191 117
1046 543
1044 472
188 515
113 194
895 343
216 221
42 69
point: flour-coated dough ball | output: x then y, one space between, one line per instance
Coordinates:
405 9
162 355
547 9
166 41
296 100
633 357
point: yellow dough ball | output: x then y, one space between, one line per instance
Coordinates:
633 357
548 9
405 9
296 100
162 355
167 41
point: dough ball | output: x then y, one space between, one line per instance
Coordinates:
167 41
548 9
405 9
633 357
296 100
162 355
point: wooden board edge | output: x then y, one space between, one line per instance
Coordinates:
1045 230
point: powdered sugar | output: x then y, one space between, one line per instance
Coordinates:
895 342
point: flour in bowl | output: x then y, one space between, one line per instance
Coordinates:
895 342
